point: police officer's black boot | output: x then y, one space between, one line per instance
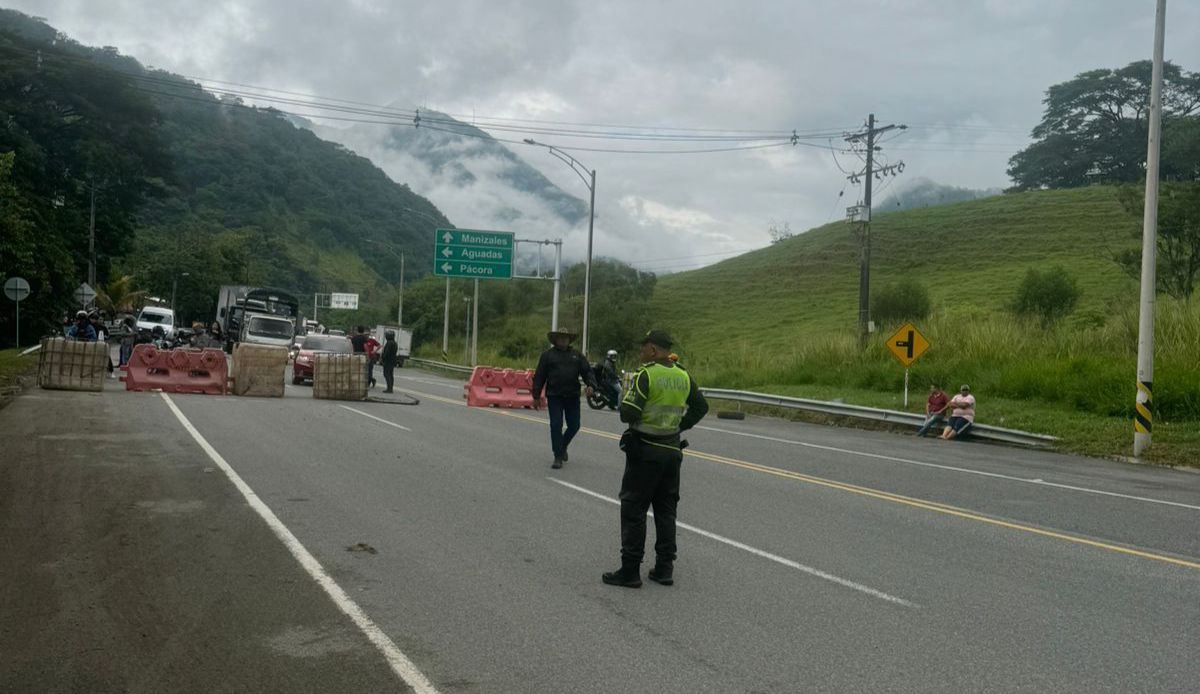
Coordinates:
662 573
628 576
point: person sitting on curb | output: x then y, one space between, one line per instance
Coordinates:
935 410
962 414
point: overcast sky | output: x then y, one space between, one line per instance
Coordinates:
967 76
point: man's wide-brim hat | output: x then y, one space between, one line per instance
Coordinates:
560 333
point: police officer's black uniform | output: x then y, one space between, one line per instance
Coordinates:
653 455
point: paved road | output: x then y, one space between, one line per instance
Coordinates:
816 559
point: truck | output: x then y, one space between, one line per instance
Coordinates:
403 341
257 314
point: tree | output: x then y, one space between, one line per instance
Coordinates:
1095 126
1178 252
780 232
119 296
1047 296
904 300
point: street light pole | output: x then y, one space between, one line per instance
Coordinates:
587 269
475 327
557 284
400 306
590 182
467 331
92 243
1143 413
446 324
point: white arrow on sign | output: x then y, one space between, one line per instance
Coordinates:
447 237
446 252
447 267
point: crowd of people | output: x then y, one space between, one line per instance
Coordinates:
89 326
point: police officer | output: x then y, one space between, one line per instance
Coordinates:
559 371
663 401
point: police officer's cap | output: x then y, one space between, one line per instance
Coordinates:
659 338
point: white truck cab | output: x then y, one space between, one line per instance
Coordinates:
262 329
160 316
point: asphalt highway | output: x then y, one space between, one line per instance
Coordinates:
811 559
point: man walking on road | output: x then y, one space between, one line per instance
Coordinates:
559 371
663 401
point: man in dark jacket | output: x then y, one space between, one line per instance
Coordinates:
559 371
390 350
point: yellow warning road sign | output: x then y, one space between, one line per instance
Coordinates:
907 344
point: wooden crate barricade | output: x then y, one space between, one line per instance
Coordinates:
340 376
259 370
72 365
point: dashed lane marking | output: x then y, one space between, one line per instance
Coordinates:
824 575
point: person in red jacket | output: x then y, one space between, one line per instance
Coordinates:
371 347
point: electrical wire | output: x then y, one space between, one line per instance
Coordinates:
389 115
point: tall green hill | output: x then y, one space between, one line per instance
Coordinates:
970 256
243 196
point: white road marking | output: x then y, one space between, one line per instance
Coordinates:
404 668
761 553
997 475
377 419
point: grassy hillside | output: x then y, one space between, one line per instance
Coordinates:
783 320
969 255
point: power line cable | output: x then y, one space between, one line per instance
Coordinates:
402 116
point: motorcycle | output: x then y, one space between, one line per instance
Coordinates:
605 395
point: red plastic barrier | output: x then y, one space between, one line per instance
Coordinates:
176 371
490 387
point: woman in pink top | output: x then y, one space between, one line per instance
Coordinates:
962 413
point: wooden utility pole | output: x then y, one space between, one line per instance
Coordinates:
864 260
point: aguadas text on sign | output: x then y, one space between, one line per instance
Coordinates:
471 253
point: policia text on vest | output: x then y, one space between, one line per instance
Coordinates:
663 401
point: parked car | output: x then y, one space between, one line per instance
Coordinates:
302 368
157 315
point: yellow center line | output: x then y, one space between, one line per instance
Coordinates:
934 506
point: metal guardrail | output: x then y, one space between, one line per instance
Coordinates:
983 431
838 409
456 368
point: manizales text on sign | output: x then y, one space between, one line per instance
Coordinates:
473 253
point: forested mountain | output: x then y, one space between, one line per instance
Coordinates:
471 174
183 183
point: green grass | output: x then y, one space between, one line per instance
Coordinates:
782 320
1083 433
12 366
969 255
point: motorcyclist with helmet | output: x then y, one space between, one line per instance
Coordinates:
610 378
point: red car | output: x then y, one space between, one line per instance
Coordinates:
302 368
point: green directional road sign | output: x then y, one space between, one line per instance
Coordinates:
471 253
